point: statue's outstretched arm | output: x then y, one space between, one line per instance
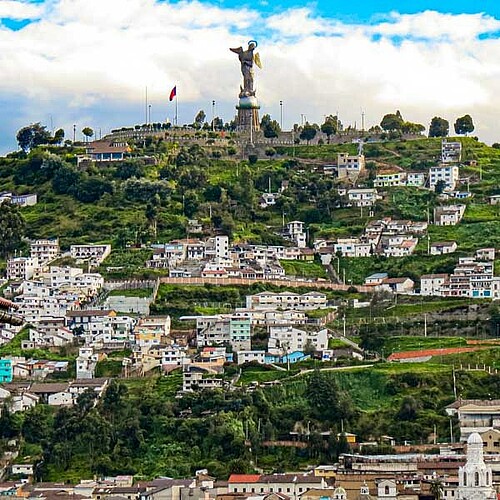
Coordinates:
239 50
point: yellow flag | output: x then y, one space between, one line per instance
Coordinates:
257 60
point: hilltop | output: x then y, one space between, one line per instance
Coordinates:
151 195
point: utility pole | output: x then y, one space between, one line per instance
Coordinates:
74 133
281 115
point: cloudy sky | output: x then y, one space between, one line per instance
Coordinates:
88 62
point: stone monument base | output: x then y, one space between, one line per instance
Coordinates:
248 114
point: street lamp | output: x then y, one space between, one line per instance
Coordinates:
149 114
281 115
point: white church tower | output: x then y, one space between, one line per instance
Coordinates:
475 477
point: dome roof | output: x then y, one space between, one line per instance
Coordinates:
339 491
475 438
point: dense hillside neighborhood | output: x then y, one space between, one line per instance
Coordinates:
321 321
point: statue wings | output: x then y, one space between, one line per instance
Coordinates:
257 60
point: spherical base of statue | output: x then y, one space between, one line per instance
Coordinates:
248 114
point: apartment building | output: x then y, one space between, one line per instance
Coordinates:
45 250
448 174
287 300
95 254
22 268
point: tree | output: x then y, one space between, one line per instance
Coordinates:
439 186
58 136
11 228
152 212
437 489
199 119
330 126
32 136
218 123
65 179
270 128
392 122
409 409
87 132
130 168
308 133
322 394
439 127
464 125
412 128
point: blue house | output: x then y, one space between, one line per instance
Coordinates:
5 370
292 357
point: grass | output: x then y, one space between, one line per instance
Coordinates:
489 357
337 344
413 266
164 386
417 307
249 376
13 348
303 269
405 343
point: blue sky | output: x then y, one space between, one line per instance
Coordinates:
365 11
87 62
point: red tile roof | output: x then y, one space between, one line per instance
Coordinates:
244 478
430 352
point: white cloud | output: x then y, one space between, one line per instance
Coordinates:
92 57
13 9
433 25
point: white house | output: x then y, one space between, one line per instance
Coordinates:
390 178
283 339
443 247
45 250
294 231
398 285
287 300
448 215
353 247
93 253
447 174
251 356
21 268
451 151
415 179
431 284
362 197
86 363
485 254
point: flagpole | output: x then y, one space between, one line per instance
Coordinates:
176 106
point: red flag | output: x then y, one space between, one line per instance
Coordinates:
173 93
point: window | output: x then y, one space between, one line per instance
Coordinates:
476 478
387 490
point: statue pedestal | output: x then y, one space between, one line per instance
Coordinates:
248 114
